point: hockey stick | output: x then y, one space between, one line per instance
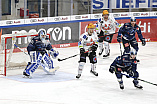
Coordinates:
137 79
20 49
108 34
120 48
70 56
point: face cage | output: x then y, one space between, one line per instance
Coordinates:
89 30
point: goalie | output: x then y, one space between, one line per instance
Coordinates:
38 54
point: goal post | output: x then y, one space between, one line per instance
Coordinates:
10 56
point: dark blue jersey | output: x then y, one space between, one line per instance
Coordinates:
37 45
128 32
124 62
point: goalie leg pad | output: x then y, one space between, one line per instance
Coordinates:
47 61
45 68
31 68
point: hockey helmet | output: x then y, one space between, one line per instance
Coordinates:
42 34
133 52
105 12
91 26
132 19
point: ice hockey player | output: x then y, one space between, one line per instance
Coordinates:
88 46
128 31
38 54
126 63
105 28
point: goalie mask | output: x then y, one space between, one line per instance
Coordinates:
42 34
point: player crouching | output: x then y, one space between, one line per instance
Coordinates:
126 63
38 55
88 46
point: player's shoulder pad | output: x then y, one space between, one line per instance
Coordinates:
84 35
118 58
36 38
111 19
100 20
127 24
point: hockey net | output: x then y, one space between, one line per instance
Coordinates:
12 57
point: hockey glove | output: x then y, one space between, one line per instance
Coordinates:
94 47
53 53
82 50
112 69
143 42
131 73
119 39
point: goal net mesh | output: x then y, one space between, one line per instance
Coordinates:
13 52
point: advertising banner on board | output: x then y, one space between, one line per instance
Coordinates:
147 25
63 34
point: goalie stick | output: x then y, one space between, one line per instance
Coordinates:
20 49
137 79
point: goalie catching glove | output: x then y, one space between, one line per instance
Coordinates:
53 53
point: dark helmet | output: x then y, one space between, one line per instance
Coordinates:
132 19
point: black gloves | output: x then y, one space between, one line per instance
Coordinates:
131 73
119 39
143 42
82 50
94 47
112 69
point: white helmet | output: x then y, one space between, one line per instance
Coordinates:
133 52
132 19
42 34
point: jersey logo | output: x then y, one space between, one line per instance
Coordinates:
107 38
91 40
137 28
106 27
94 59
126 45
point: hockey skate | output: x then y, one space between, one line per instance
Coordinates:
106 55
78 76
136 84
121 84
25 75
101 51
94 72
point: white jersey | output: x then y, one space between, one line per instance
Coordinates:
86 41
108 27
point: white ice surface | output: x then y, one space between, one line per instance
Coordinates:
64 88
